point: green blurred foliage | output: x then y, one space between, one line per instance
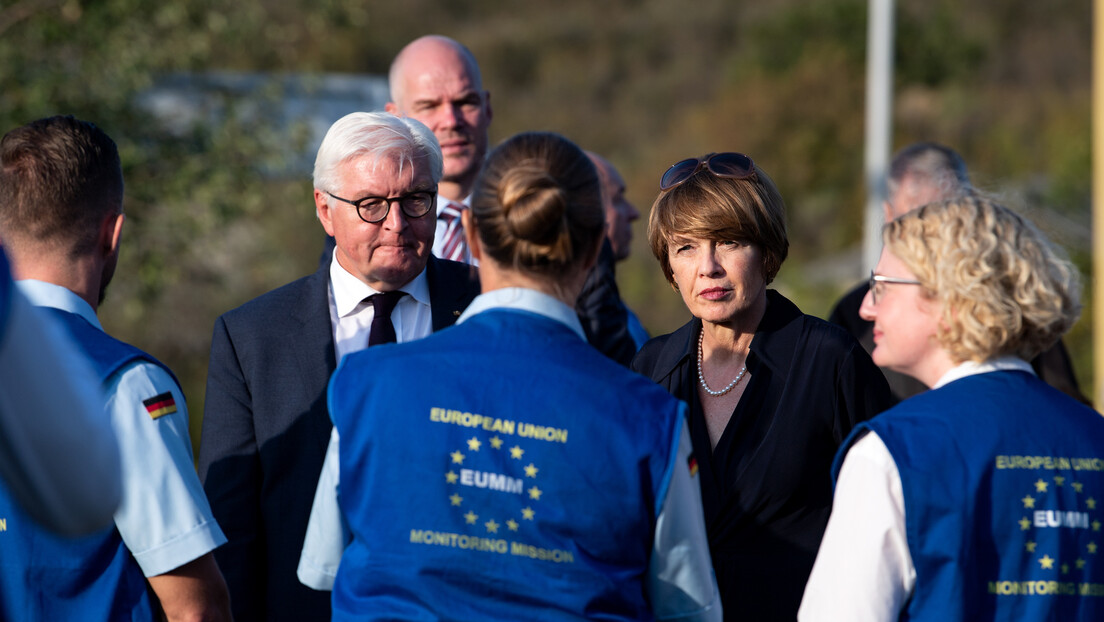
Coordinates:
644 82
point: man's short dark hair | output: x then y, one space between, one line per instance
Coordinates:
59 178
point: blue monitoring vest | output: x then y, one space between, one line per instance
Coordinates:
44 576
1003 480
501 469
5 292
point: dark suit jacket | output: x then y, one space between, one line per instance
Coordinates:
265 431
1053 365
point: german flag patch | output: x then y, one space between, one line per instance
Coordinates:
160 405
692 462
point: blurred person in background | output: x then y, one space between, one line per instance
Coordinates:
527 476
971 501
61 218
919 174
610 325
772 392
620 212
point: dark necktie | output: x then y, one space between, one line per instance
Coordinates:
382 330
454 246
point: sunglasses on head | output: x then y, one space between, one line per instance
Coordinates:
730 165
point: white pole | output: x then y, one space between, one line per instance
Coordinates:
879 123
1098 202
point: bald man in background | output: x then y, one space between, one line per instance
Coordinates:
437 81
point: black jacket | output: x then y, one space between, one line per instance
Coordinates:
767 487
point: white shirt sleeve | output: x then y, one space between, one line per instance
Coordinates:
863 570
680 582
327 532
165 520
58 455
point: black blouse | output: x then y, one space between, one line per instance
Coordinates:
767 488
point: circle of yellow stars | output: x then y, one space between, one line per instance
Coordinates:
1046 562
517 453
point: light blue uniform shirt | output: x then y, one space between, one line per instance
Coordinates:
164 520
680 582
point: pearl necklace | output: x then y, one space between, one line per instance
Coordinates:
701 377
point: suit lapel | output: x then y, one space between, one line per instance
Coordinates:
452 286
313 347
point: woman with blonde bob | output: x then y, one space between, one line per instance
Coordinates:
969 501
504 469
772 392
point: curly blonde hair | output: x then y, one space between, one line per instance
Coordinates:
1003 288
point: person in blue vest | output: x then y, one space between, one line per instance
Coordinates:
61 218
503 469
57 460
983 498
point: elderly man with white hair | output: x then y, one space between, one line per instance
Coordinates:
266 427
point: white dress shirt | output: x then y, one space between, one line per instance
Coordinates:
351 315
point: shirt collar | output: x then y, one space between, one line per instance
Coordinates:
778 335
971 368
442 202
524 299
349 291
774 343
43 294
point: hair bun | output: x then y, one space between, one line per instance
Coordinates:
534 204
537 207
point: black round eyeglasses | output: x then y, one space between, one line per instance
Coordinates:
374 209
